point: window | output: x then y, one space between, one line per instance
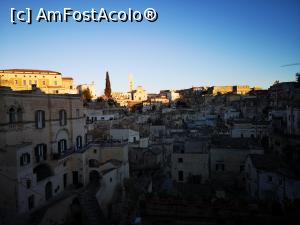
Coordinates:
24 82
62 117
180 175
44 82
12 115
40 152
19 115
16 82
28 184
242 168
55 83
62 146
248 172
85 139
77 113
93 163
220 166
31 202
79 142
30 82
39 119
270 178
24 159
180 160
110 179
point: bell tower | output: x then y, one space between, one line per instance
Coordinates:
130 82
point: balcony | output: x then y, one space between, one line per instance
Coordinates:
69 151
64 154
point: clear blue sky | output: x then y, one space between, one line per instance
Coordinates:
194 42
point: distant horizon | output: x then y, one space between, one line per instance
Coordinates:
193 43
136 85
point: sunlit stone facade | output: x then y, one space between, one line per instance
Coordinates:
39 133
50 82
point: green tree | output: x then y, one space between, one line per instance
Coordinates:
86 94
107 90
100 99
111 102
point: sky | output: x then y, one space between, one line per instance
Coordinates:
193 43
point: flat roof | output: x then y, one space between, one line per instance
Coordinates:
24 71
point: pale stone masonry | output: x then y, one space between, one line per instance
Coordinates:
44 151
37 134
48 81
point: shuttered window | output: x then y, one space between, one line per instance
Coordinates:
62 117
79 142
62 146
24 159
40 152
39 119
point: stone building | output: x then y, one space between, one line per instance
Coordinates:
125 135
268 178
38 134
50 82
91 87
190 162
227 159
237 89
215 90
241 89
122 98
139 94
241 128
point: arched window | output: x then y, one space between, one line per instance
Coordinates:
62 117
12 115
79 142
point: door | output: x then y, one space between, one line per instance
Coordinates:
65 180
48 191
75 177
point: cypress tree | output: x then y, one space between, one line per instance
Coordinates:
107 90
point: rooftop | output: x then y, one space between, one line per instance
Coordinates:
272 164
192 146
234 143
24 71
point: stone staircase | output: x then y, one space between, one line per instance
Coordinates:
90 207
